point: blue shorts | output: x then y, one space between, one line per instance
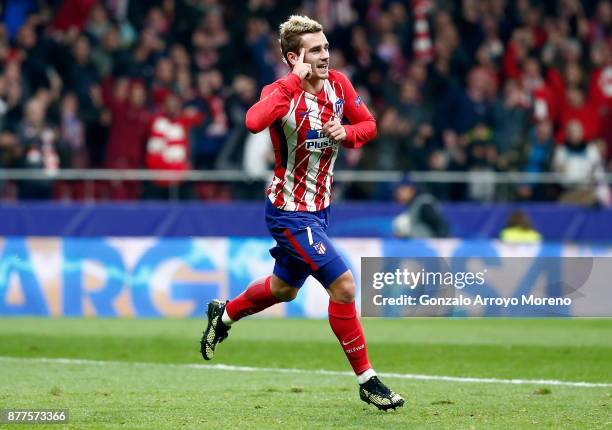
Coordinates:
302 246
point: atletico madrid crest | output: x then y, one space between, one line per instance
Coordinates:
320 248
339 108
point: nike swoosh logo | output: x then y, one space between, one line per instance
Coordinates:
350 341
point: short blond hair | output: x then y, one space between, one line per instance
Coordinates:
292 30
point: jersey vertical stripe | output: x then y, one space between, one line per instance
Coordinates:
279 142
328 154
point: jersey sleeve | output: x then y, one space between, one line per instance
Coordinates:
362 127
273 103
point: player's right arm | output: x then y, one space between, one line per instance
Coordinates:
276 98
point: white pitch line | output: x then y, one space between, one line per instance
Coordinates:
230 368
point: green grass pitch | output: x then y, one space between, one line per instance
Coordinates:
147 383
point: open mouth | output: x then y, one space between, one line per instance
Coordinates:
322 67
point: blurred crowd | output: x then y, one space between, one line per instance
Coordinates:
477 86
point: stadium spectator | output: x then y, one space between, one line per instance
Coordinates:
244 95
15 93
82 75
580 164
600 83
394 130
258 40
168 147
600 25
413 112
72 133
545 103
209 137
482 160
163 81
538 157
180 57
422 217
128 134
577 109
33 52
108 56
438 161
145 54
98 23
462 111
510 117
519 229
38 149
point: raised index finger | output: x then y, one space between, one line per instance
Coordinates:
301 57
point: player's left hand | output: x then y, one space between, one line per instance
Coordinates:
335 130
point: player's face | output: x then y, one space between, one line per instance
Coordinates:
316 53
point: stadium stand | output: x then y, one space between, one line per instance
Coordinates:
456 86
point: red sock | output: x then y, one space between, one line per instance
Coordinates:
345 325
255 298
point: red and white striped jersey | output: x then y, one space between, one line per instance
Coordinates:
304 158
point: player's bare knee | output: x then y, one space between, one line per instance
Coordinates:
345 293
287 293
282 291
342 290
